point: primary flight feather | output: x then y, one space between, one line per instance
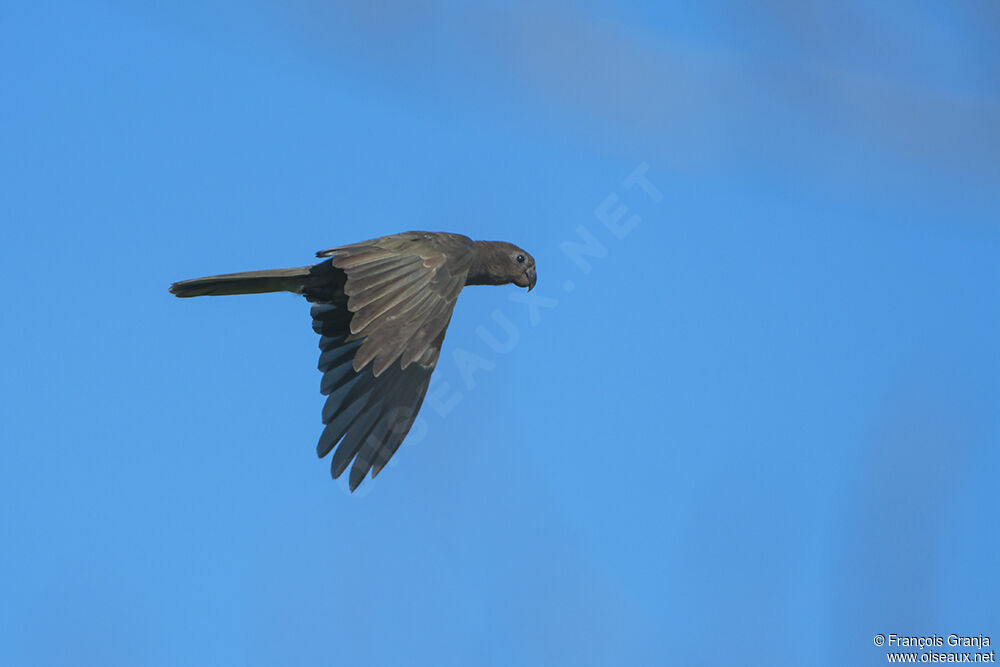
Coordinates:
381 308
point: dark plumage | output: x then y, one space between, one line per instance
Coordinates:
381 308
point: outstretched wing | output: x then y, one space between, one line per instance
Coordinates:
381 335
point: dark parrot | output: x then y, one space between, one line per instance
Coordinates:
381 308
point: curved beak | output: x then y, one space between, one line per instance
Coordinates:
532 278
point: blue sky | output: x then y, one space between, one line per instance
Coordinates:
760 427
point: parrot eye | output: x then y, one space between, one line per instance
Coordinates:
520 259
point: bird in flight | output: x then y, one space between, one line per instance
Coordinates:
381 308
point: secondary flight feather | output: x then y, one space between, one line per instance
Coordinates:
382 308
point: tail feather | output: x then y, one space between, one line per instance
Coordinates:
250 282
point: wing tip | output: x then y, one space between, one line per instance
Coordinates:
352 484
356 479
